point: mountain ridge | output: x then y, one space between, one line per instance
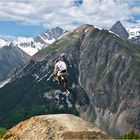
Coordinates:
103 76
10 59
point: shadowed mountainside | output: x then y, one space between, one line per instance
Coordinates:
11 57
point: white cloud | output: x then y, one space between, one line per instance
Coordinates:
7 37
63 13
136 10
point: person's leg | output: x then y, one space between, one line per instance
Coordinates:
56 77
65 81
60 80
59 77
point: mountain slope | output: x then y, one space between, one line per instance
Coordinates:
62 126
119 29
103 76
10 58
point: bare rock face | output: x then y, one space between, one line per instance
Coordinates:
120 30
62 126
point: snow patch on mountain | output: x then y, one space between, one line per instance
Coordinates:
48 41
30 45
114 33
3 83
29 50
97 27
27 45
3 43
133 32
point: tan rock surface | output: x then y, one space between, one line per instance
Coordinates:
60 126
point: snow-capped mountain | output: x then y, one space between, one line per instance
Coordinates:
3 42
133 31
33 45
134 34
28 45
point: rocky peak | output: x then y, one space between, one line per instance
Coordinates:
62 126
50 35
119 29
56 32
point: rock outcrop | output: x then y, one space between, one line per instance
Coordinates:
58 127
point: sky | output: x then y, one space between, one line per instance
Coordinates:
29 18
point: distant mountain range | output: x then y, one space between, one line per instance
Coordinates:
11 57
132 33
33 45
103 75
16 53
